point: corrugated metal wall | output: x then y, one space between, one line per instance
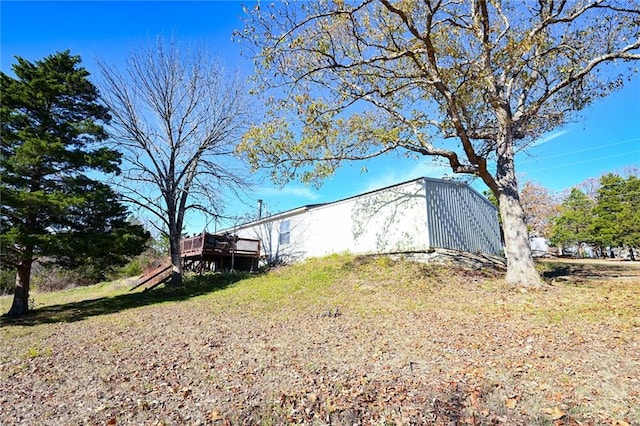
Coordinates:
459 218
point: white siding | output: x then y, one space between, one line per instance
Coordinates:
413 216
386 221
268 232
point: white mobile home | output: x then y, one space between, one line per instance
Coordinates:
417 215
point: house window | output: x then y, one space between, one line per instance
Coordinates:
284 232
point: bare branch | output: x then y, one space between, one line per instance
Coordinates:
352 82
176 117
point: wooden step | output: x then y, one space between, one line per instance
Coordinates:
155 277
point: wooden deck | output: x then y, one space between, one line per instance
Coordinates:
207 252
219 252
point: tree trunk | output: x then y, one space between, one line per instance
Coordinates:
176 260
521 269
20 305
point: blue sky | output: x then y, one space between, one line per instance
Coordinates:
606 139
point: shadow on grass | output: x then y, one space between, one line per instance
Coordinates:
193 286
556 271
586 269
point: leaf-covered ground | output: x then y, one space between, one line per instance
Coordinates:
343 341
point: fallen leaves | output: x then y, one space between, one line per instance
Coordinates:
215 415
555 413
444 350
511 403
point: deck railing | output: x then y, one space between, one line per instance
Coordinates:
219 244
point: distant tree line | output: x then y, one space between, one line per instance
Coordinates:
609 220
602 213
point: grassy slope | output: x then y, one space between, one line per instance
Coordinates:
338 340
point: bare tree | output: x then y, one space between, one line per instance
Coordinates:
540 207
176 118
468 81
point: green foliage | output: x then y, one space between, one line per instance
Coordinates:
612 219
52 124
161 245
492 198
629 216
352 80
37 351
141 263
572 225
131 269
470 83
7 281
617 212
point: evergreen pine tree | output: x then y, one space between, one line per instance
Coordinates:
573 224
51 124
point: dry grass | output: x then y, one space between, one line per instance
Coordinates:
340 340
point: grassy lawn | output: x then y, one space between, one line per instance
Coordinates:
339 340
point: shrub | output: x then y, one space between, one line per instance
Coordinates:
47 277
7 281
139 264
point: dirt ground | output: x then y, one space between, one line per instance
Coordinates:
344 341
